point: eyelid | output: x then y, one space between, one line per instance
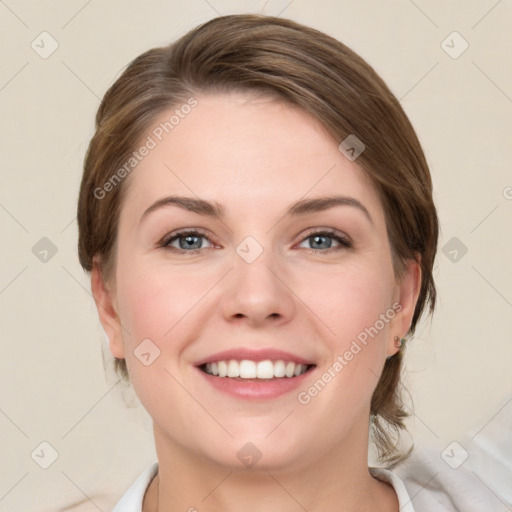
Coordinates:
178 233
325 229
343 240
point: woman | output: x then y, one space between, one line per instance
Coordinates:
256 214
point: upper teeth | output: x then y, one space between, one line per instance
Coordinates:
247 369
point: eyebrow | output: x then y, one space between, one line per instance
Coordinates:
301 207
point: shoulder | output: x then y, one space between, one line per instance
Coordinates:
434 485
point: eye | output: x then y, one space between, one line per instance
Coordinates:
185 241
193 241
326 241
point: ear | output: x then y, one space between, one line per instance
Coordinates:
104 298
406 297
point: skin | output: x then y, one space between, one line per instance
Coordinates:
255 157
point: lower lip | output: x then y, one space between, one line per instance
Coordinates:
255 389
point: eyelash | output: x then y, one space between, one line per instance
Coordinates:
344 243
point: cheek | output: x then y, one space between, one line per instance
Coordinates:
152 299
349 305
161 304
346 300
149 307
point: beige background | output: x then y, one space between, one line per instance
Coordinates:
52 382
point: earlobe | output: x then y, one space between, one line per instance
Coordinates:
107 311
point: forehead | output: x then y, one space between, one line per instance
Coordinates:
244 151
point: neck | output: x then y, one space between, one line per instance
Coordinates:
333 482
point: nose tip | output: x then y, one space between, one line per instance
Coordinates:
255 292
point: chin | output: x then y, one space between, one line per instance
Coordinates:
256 449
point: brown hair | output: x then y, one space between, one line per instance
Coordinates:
307 69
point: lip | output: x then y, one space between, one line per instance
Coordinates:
253 355
256 389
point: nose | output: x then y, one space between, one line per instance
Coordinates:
257 293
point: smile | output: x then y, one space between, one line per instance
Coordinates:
247 369
255 374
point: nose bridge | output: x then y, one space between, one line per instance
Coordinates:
256 291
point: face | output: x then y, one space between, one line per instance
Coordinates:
227 251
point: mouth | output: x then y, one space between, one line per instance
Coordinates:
246 369
244 373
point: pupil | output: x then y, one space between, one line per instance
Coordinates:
318 239
190 241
